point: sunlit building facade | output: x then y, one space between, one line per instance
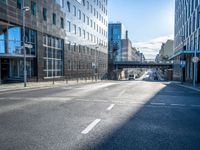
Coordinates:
68 39
186 39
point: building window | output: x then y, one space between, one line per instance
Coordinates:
74 10
68 26
84 34
79 14
88 35
94 12
53 57
54 18
68 6
31 38
83 17
74 28
62 23
3 1
14 40
91 9
19 4
79 29
88 5
44 14
69 65
11 39
91 23
33 8
63 3
83 2
88 21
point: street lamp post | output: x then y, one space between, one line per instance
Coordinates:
182 64
195 68
24 9
96 64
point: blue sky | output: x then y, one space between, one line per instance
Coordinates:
149 22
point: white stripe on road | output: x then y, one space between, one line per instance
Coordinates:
91 126
178 105
110 107
158 104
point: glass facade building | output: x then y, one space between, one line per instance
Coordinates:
186 39
116 33
67 37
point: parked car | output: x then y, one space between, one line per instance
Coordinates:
131 77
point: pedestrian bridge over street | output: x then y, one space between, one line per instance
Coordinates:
139 64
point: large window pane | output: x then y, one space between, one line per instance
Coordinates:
53 57
19 4
2 42
14 40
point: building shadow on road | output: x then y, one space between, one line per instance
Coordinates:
158 126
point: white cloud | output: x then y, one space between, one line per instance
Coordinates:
151 48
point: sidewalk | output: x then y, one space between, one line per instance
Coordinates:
188 85
39 85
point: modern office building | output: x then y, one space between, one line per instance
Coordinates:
68 39
186 39
116 33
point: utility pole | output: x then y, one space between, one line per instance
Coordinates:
195 60
24 10
96 64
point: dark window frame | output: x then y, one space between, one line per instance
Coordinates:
54 18
33 8
45 14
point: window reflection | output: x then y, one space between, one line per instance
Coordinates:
13 36
2 41
14 40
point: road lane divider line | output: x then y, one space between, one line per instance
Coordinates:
110 107
182 105
91 126
158 103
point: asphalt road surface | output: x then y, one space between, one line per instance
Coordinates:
112 115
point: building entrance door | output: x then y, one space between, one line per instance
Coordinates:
4 69
183 74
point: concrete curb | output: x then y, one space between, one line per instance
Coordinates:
189 87
29 87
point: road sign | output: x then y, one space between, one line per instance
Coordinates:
195 59
28 46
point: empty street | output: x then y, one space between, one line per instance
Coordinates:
110 115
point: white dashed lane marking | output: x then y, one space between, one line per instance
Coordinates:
158 104
91 126
110 107
182 105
